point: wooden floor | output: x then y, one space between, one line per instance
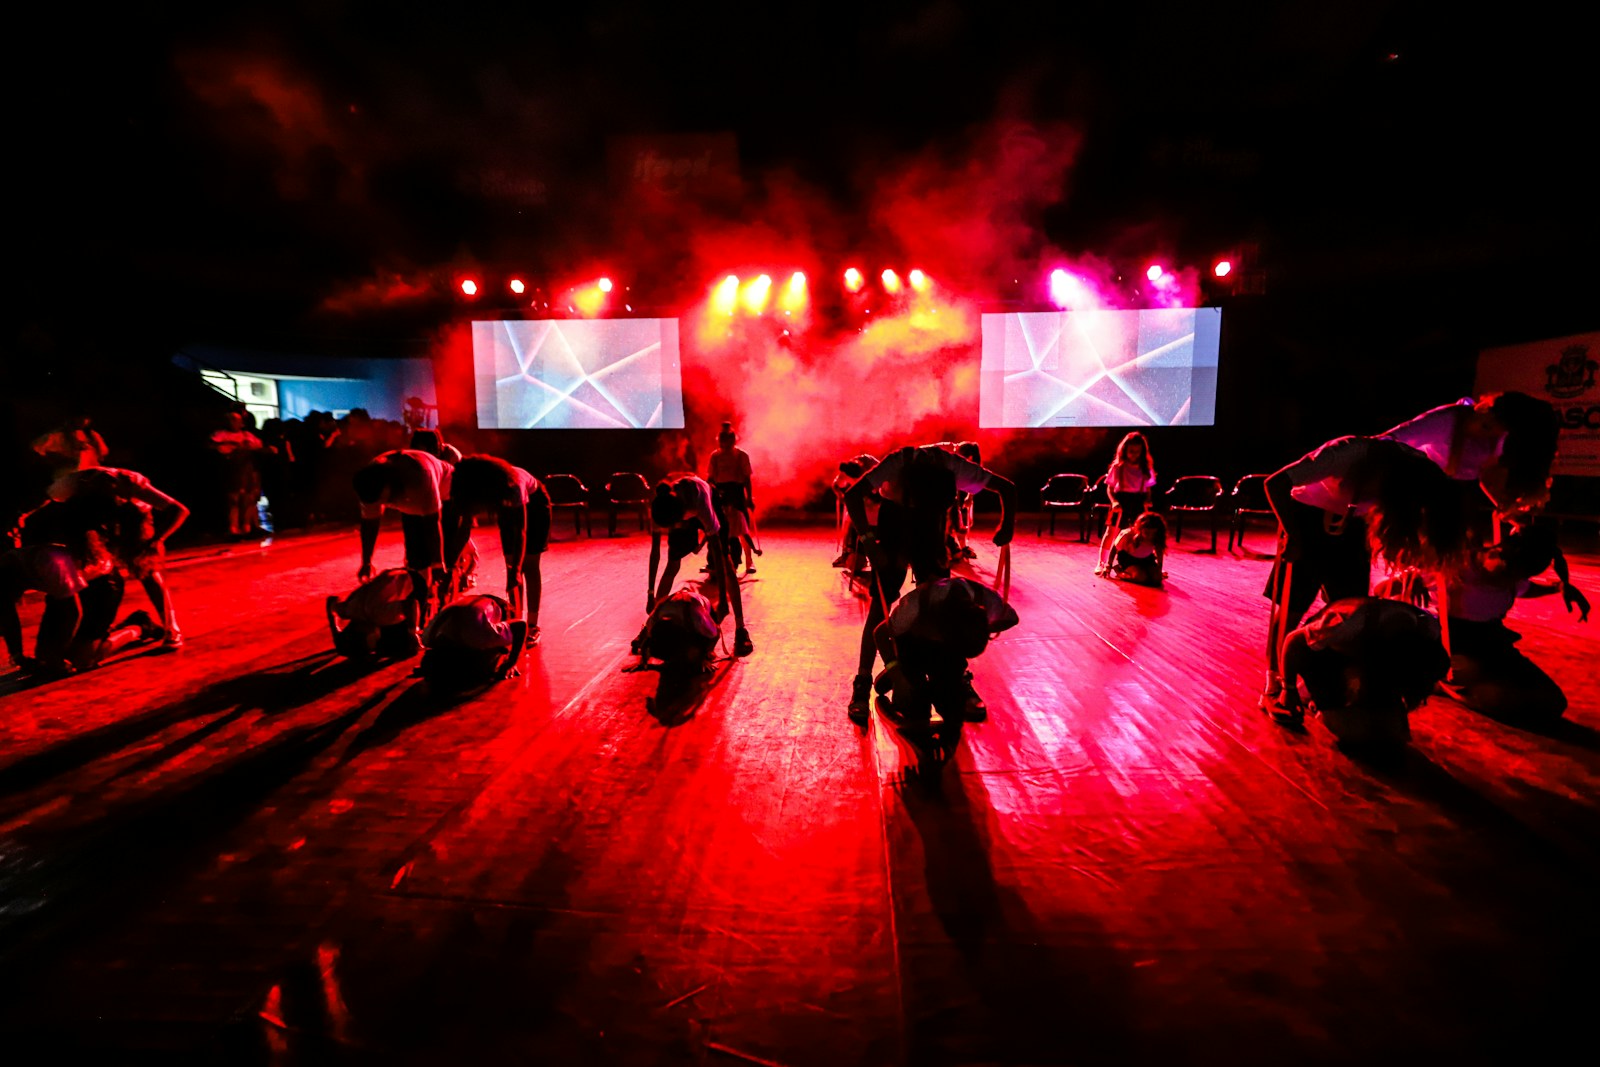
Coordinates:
250 852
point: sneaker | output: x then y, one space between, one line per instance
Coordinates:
860 699
533 637
1100 569
843 560
968 553
742 645
172 639
749 570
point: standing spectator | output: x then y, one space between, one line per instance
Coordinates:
238 447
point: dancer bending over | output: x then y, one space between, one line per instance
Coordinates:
482 486
682 510
415 484
1338 506
917 487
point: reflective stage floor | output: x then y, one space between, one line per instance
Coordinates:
248 851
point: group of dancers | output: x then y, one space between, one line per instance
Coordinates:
1444 501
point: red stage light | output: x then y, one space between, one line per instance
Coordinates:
755 294
793 297
918 280
517 286
1155 272
469 287
853 280
605 285
891 280
1223 268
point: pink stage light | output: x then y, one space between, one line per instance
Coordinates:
469 287
891 280
853 280
1063 288
1223 268
517 286
1155 272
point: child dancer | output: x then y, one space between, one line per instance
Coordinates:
917 487
380 617
682 510
1338 506
1129 480
415 484
482 486
472 641
733 493
1367 663
926 643
1139 553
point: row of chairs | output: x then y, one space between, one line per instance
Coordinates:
1193 497
625 493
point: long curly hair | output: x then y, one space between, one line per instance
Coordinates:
1417 517
1143 462
1531 429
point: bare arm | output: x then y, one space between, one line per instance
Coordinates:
11 630
1007 491
369 542
655 562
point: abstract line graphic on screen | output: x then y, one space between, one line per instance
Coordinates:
578 374
1155 367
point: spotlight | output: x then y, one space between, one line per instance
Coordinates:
891 281
755 294
1155 272
725 295
517 286
918 280
1063 287
1223 268
469 287
794 294
605 285
853 280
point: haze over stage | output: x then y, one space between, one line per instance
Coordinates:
248 852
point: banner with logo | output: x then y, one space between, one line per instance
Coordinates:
1561 371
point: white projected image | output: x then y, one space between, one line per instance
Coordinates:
578 374
1155 367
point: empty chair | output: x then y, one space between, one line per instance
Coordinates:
627 491
1191 495
568 493
1063 492
1249 497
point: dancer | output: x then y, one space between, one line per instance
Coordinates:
380 617
1503 442
1367 663
680 632
850 471
682 510
483 486
1488 673
1139 553
472 641
961 513
1129 480
926 643
74 445
415 484
127 507
917 487
1336 507
728 471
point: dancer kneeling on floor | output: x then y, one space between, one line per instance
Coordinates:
1140 552
1487 671
682 511
926 642
1367 663
381 617
472 641
680 633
